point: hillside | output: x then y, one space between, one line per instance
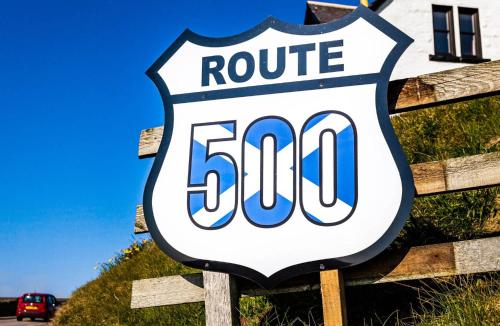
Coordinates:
450 131
106 300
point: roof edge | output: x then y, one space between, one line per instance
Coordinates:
375 5
332 5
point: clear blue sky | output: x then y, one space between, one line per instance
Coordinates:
73 99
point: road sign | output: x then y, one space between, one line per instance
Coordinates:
278 157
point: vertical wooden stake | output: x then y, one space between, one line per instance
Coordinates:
221 299
332 294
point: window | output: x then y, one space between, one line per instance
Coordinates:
444 35
470 38
32 299
442 22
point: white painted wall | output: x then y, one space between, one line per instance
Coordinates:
414 17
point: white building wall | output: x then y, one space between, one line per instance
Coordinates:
414 17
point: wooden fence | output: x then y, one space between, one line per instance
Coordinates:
221 292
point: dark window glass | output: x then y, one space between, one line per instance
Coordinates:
442 22
470 38
441 42
466 23
32 299
467 45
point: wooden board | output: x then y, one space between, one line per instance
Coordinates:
456 174
221 299
420 92
140 223
333 298
444 87
447 259
468 172
432 178
171 289
481 255
149 141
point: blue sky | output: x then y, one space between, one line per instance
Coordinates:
73 99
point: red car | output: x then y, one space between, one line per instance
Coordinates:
36 305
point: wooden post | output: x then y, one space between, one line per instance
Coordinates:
221 299
332 294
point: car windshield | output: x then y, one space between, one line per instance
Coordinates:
32 299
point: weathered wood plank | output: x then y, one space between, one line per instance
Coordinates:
255 292
333 298
445 86
407 94
167 290
447 259
416 263
470 171
429 177
221 299
455 174
433 178
140 223
481 255
149 141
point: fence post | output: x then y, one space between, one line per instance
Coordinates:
332 295
221 299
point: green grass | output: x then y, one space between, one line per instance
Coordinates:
106 300
450 131
254 310
463 301
458 301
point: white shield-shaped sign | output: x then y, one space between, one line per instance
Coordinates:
278 157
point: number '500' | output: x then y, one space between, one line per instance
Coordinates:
326 171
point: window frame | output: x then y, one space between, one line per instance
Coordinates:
474 13
452 51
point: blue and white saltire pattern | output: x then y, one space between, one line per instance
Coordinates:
282 185
278 157
204 212
313 169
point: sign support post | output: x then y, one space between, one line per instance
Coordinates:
278 163
332 296
221 299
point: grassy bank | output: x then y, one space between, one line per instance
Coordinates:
106 300
463 129
461 301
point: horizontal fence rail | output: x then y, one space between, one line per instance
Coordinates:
447 259
407 94
439 260
431 178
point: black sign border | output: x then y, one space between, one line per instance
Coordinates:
382 81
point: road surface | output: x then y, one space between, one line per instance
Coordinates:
11 321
